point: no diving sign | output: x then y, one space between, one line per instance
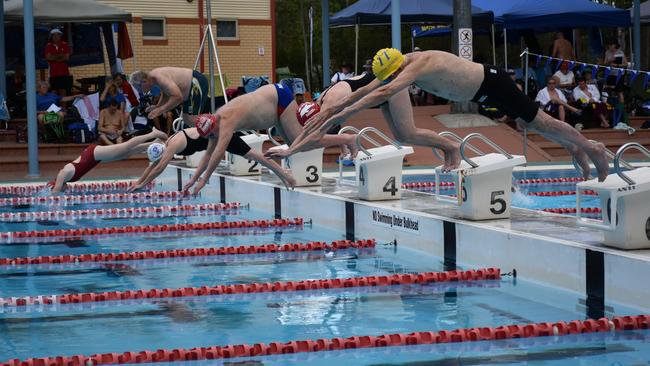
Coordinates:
465 49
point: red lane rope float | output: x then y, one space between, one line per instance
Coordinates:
191 252
532 330
426 184
4 236
128 212
587 192
569 180
573 210
305 285
95 198
71 187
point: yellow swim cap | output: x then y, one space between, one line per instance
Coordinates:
386 62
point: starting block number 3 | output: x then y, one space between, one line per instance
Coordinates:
312 175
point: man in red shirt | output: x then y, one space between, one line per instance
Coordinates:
57 53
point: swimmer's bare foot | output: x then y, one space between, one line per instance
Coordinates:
452 158
158 134
599 157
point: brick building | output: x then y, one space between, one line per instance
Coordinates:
168 33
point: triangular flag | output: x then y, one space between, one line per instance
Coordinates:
620 74
594 72
645 81
571 64
633 75
583 67
608 70
539 58
559 63
548 61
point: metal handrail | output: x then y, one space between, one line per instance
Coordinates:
619 153
273 140
356 130
459 139
378 133
484 139
180 125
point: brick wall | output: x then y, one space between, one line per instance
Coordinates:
180 49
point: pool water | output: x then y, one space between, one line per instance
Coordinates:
150 324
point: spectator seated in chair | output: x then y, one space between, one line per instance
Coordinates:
111 124
567 80
553 101
44 102
587 98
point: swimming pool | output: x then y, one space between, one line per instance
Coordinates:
177 321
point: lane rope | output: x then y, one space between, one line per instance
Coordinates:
427 184
125 213
8 237
96 198
71 187
587 192
573 210
566 180
305 285
190 252
476 334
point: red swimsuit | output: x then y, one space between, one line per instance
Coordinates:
86 163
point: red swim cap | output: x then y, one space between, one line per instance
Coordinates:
305 111
205 124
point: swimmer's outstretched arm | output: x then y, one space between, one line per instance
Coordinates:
376 97
203 164
153 170
225 135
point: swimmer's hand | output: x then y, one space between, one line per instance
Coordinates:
316 122
288 180
190 183
277 153
198 187
134 187
155 113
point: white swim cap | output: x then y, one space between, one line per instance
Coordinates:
155 151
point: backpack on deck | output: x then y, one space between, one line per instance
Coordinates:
80 132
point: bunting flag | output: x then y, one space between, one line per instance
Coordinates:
645 81
608 70
559 63
583 67
539 58
594 71
548 62
633 75
620 74
571 64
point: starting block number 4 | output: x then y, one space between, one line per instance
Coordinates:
390 187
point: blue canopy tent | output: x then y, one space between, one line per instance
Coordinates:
378 12
553 14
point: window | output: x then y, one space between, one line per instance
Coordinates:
153 28
227 29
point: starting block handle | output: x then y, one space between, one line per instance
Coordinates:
484 139
355 130
177 125
617 159
273 140
363 133
456 137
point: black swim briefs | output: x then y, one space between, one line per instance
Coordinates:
498 90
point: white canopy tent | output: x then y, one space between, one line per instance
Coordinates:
59 11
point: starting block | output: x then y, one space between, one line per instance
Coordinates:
238 165
624 198
306 167
483 183
379 169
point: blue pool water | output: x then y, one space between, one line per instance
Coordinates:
37 331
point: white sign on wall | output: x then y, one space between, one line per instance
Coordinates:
401 222
465 49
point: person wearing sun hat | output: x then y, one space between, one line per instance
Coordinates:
458 80
57 54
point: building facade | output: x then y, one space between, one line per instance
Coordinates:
169 32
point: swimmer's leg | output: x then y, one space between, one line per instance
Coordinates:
399 115
125 149
578 145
